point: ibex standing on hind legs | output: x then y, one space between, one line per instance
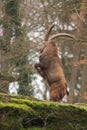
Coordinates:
50 68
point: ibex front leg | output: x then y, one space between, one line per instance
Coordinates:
39 70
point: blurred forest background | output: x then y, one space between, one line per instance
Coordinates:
23 24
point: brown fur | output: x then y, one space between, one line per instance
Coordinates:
50 68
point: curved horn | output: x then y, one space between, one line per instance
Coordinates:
62 34
48 31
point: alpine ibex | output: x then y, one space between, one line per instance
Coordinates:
50 68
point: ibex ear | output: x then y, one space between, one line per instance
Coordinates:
48 31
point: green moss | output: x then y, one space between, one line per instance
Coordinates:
34 128
25 113
11 123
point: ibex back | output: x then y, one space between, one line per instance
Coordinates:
50 68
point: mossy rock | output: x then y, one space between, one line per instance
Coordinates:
24 113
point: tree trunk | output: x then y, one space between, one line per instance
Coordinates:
4 52
76 51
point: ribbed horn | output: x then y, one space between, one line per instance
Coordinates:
62 34
48 31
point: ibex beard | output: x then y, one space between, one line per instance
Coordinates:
50 67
